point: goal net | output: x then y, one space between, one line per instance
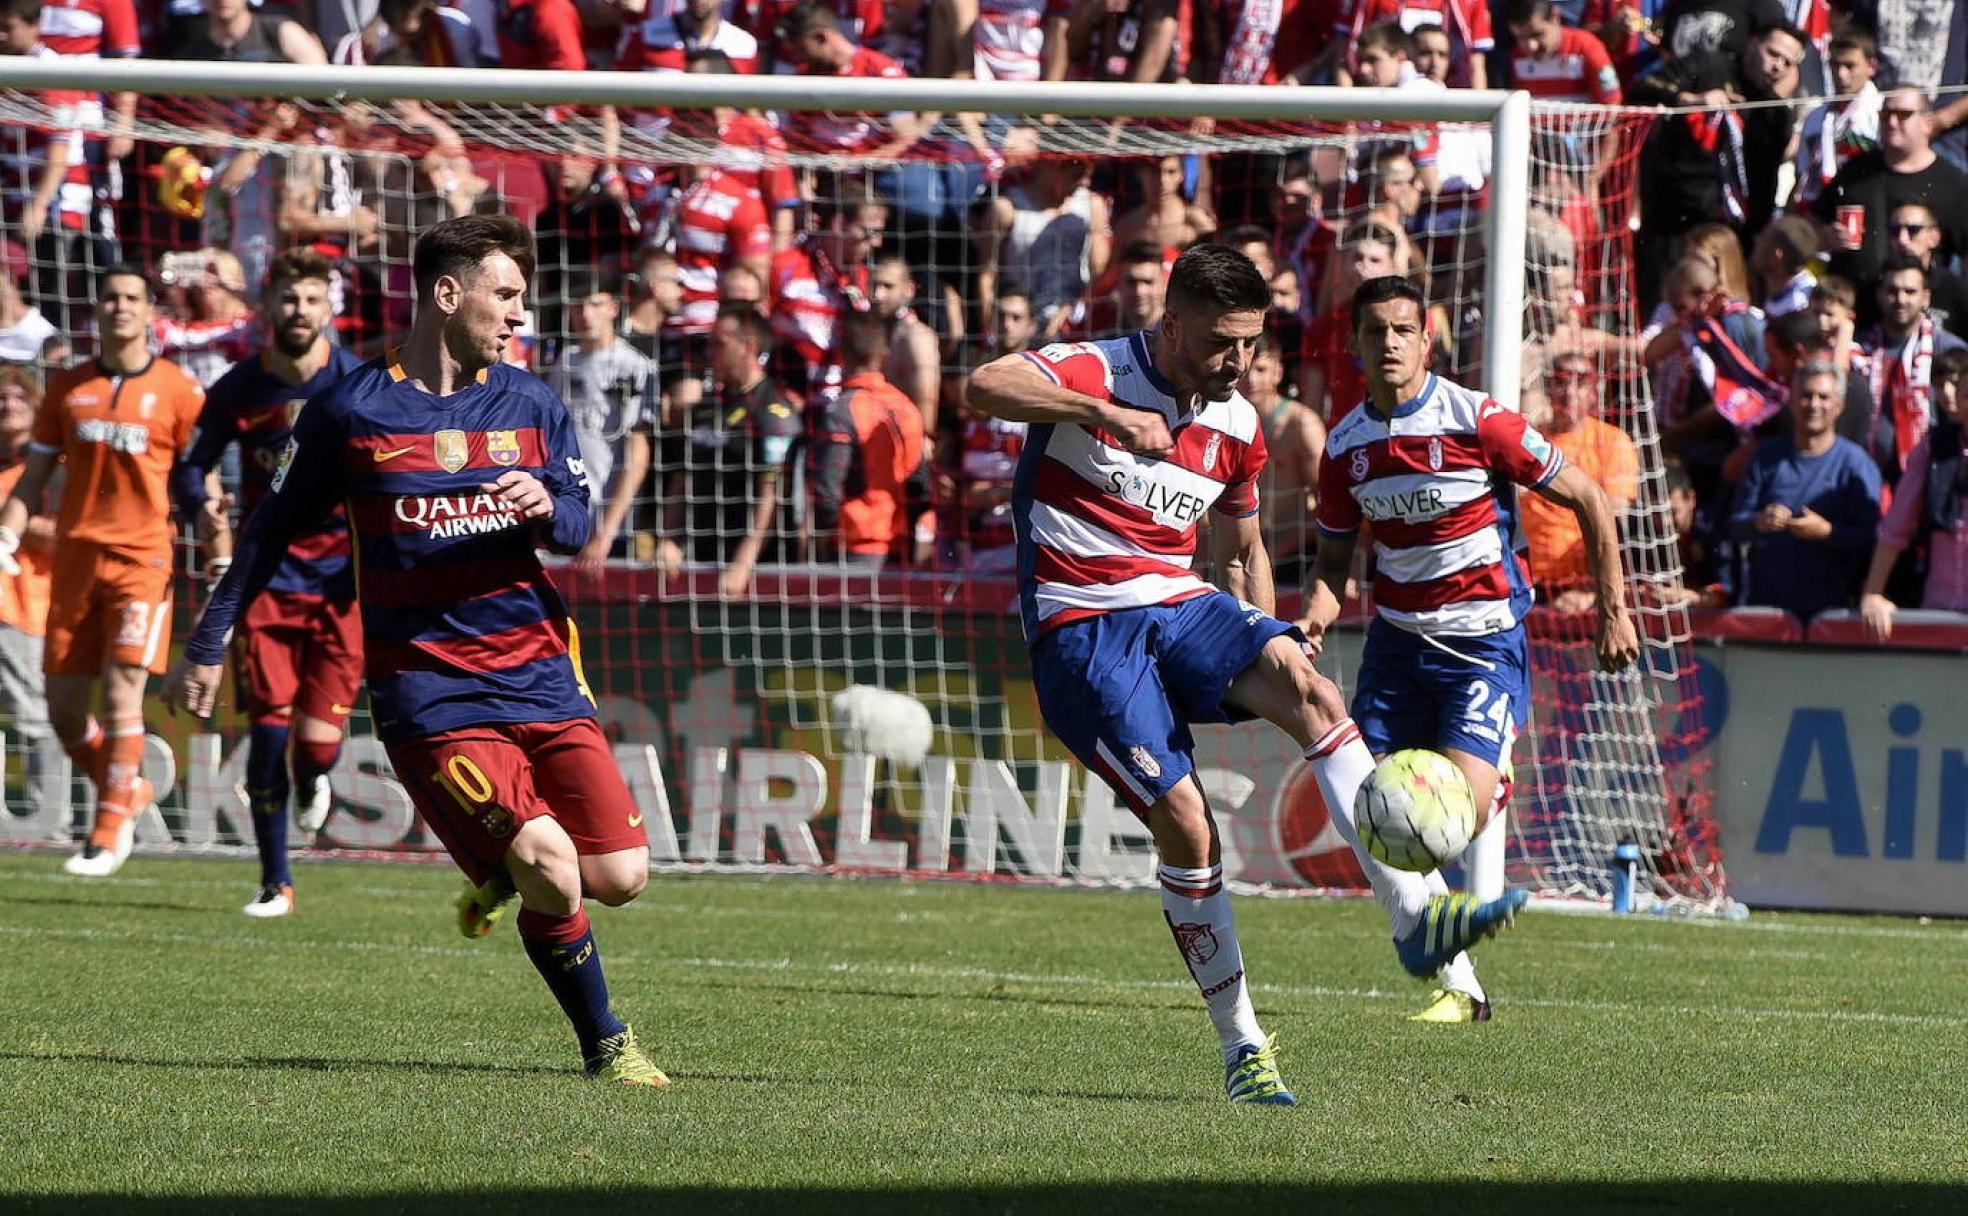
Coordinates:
780 691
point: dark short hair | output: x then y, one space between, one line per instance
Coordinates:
1245 234
710 59
1386 36
124 270
293 265
1523 12
460 245
1950 364
1852 38
1796 236
849 195
1784 27
1014 291
805 18
1380 290
1836 289
864 339
580 282
750 322
1796 331
1137 252
26 10
1899 263
1675 474
1217 277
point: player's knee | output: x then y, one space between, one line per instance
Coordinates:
620 884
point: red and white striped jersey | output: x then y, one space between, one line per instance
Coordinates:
1101 529
659 44
1007 39
720 221
1579 71
90 28
72 113
756 156
809 294
1433 478
846 132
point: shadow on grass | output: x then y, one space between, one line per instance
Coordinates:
1133 1198
138 905
473 1068
291 1063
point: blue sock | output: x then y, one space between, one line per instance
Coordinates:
266 794
563 951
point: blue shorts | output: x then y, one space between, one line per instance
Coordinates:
1416 693
1121 690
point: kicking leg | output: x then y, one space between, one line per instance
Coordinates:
1430 928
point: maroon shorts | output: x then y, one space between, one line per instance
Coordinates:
298 652
475 786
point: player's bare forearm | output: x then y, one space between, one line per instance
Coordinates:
746 555
1246 566
621 494
1618 643
1330 570
1014 389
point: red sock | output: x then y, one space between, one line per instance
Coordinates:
115 792
91 751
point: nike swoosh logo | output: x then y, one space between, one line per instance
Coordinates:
635 820
392 454
338 708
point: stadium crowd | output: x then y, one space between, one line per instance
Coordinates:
766 363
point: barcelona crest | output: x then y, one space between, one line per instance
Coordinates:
452 451
502 447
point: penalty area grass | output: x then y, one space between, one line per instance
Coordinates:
876 1046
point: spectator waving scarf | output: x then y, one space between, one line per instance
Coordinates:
1741 392
1903 388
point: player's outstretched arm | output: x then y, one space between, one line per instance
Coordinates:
1618 645
305 489
1014 389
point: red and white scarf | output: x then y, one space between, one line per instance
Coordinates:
1247 52
1903 388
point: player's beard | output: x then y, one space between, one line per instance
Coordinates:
285 342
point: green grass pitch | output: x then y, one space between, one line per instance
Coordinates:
875 1047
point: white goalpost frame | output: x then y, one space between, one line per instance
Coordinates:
1508 113
1505 278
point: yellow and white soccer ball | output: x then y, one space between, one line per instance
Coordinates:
1415 811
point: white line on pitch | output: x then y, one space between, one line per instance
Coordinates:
922 971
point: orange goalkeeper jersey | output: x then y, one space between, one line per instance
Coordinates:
118 436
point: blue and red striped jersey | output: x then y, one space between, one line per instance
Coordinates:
255 408
461 625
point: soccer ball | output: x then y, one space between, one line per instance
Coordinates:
1415 811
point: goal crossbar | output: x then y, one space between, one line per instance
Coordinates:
1508 115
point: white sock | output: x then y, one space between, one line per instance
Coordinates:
1198 912
1341 764
1483 859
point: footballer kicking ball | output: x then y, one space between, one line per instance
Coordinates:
1415 811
